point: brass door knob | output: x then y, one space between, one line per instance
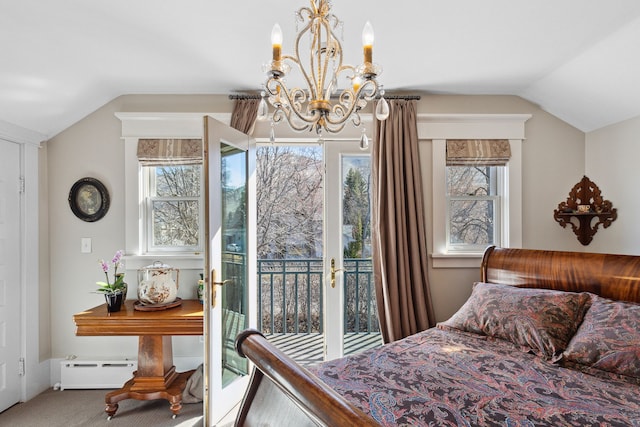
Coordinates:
334 270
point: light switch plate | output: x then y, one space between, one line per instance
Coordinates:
85 245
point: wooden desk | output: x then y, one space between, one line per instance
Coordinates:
156 377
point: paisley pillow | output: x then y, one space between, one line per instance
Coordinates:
538 320
608 338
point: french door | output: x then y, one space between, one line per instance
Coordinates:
230 285
315 275
350 312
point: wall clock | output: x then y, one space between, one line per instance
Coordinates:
89 199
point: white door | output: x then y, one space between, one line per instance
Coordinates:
348 304
230 295
9 274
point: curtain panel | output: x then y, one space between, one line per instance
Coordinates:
243 117
399 232
162 152
470 152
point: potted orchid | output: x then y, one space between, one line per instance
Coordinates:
113 291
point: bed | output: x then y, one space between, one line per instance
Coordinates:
546 338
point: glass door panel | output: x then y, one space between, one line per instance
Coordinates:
352 322
234 259
303 193
290 246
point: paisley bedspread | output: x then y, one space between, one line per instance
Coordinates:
452 378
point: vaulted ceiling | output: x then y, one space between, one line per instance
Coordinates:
62 59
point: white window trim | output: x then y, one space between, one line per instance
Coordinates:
154 125
440 127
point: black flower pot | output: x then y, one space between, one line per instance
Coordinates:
114 302
125 288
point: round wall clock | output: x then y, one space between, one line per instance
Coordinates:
89 199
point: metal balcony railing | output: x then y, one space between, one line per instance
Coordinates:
290 295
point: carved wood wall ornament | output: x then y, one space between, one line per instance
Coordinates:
583 205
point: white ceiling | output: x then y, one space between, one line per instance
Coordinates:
62 59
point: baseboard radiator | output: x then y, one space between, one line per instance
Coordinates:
80 374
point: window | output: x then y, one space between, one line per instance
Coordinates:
169 140
474 173
164 200
172 208
503 191
170 199
474 207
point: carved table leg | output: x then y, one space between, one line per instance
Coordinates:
155 378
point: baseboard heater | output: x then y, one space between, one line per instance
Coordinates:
79 374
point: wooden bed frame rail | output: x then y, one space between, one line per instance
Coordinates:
316 404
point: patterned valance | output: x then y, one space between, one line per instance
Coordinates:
161 152
486 152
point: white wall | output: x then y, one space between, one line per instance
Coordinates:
612 155
553 161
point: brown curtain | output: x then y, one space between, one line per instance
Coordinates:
399 233
244 114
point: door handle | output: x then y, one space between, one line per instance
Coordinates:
334 270
215 283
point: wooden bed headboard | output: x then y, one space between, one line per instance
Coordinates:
611 276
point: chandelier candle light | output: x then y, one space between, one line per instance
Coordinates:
318 106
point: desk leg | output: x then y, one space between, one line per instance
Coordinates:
156 377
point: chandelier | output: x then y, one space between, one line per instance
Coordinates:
318 105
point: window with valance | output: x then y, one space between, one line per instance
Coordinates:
475 173
172 197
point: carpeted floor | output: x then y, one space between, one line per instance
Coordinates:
85 408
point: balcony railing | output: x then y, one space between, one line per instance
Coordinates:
290 295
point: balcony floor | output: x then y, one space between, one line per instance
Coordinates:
307 349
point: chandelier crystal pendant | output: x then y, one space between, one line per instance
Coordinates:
318 105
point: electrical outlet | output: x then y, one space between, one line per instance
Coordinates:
85 245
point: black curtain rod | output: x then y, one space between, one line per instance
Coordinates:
245 96
256 96
407 97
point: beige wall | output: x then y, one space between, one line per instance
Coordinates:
612 155
93 147
553 161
